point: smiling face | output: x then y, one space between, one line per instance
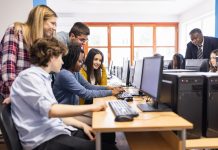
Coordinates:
80 40
97 61
49 27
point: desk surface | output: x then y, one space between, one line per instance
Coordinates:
146 121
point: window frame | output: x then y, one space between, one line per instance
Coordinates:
132 25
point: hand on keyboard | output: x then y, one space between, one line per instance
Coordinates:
117 90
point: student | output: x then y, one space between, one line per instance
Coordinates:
200 46
15 44
93 70
45 124
78 35
213 63
177 62
69 84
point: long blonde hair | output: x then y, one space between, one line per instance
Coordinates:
33 28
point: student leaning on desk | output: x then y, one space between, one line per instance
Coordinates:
41 122
69 84
93 69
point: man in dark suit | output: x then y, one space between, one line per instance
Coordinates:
200 46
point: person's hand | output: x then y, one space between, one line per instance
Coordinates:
7 100
110 87
99 107
120 88
117 90
89 132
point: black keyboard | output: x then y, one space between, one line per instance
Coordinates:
124 95
122 108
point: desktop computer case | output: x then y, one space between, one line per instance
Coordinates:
187 99
210 125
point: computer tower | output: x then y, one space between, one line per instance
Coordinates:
210 123
187 99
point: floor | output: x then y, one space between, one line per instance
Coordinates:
121 141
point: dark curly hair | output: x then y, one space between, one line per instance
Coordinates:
72 57
44 49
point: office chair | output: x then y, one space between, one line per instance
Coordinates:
8 129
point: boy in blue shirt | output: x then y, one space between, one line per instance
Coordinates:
41 122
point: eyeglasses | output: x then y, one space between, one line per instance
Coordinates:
82 40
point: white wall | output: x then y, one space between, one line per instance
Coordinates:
65 21
192 17
12 11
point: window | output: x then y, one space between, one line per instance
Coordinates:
133 40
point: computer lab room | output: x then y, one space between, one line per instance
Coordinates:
109 75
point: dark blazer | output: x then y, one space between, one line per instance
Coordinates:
210 44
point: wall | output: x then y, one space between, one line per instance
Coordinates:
206 8
13 10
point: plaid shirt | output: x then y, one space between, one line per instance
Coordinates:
14 57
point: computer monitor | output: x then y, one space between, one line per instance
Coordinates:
131 75
151 82
119 72
201 65
166 64
126 71
137 74
110 68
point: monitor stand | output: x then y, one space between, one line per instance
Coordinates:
146 107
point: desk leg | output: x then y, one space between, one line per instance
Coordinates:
183 137
98 140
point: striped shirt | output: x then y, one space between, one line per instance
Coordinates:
14 57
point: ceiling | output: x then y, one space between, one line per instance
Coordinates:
145 7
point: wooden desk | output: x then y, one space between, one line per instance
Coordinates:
151 121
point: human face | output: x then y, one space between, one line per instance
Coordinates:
79 63
80 40
97 61
196 39
56 63
213 59
49 27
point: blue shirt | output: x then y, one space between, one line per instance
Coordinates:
31 100
68 86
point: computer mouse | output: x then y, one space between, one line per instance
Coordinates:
128 99
123 118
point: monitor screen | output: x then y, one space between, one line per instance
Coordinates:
137 74
151 77
119 72
131 74
201 65
166 64
126 71
110 68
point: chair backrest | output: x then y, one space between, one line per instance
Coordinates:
8 129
